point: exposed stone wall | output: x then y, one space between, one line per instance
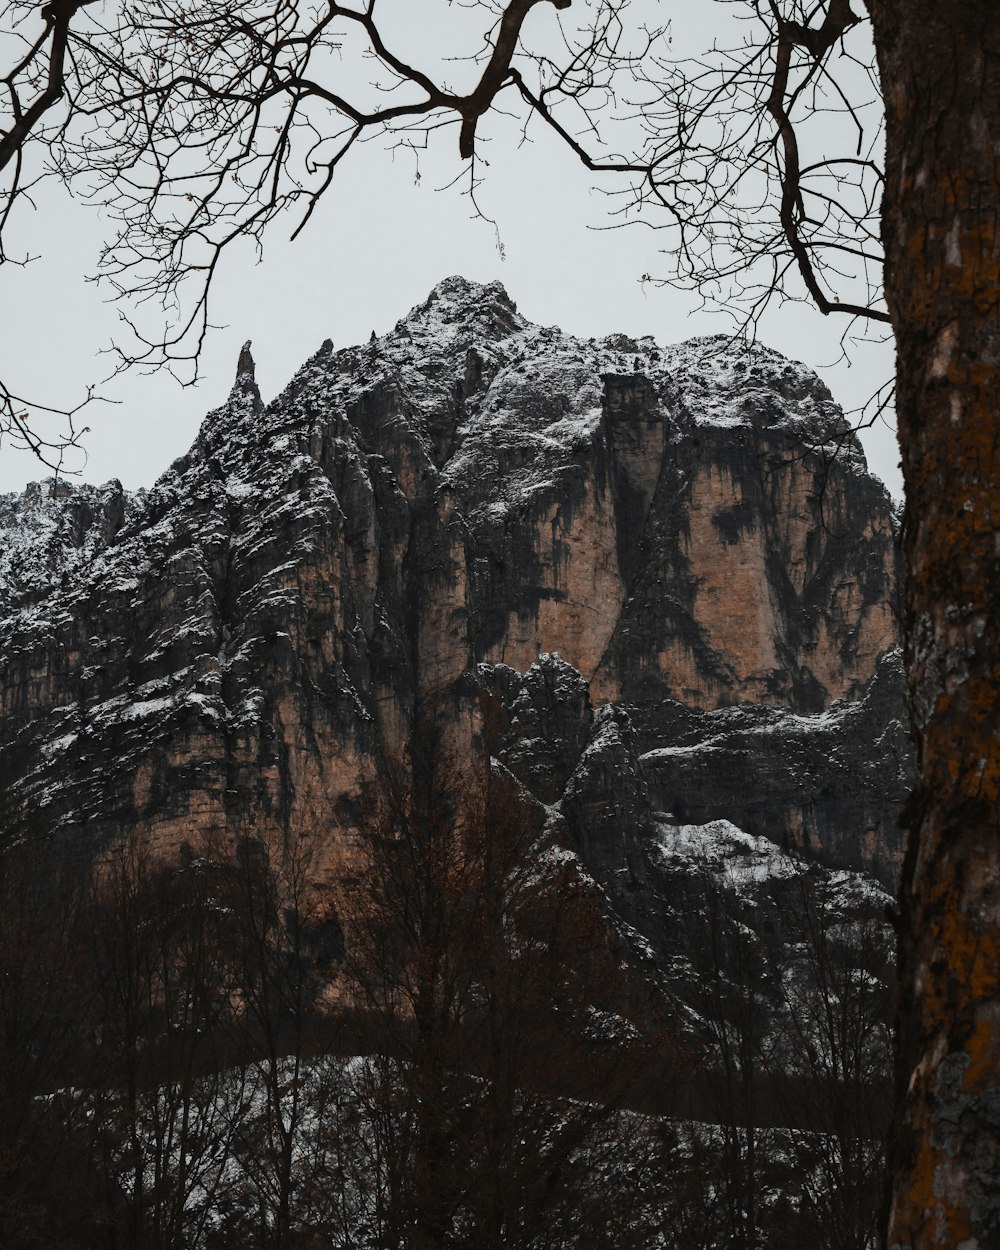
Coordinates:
247 647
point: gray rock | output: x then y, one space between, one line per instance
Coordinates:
648 579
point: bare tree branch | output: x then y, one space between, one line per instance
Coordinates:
195 128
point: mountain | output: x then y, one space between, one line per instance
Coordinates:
656 585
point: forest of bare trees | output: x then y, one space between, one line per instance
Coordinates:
218 1048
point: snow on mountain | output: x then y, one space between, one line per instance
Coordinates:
649 578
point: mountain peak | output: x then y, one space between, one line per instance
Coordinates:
464 290
457 304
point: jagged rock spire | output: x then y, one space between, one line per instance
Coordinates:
245 385
245 368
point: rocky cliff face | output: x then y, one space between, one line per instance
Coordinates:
665 573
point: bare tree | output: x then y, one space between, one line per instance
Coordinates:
766 155
196 127
157 1089
835 1053
735 999
792 1099
281 945
480 958
44 1179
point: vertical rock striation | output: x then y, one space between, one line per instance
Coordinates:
665 572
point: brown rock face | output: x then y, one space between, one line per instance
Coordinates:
413 523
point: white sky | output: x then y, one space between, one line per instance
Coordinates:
373 250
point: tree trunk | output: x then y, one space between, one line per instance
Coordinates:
940 68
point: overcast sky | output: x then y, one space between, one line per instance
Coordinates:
381 240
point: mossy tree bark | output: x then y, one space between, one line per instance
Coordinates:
940 68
